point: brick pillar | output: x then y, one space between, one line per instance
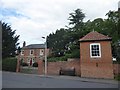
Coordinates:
40 67
18 64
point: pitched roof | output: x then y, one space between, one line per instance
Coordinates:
94 36
34 46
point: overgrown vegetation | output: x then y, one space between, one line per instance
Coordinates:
9 64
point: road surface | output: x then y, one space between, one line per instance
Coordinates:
18 80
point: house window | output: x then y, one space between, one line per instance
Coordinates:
22 52
30 61
31 52
41 52
95 50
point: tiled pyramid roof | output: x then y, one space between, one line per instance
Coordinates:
94 36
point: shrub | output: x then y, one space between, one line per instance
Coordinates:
35 64
117 77
24 64
9 64
54 59
75 53
116 62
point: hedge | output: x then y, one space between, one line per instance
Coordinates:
23 64
35 64
55 59
9 64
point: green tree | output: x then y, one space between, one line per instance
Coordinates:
113 30
113 23
76 31
9 41
76 19
56 41
65 40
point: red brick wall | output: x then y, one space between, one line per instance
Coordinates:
40 67
88 65
54 67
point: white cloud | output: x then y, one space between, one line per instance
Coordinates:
41 17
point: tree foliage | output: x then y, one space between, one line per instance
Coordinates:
113 30
76 19
56 40
65 41
9 41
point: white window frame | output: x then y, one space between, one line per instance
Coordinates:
41 53
99 50
28 61
22 52
30 52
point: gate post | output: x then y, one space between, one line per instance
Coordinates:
18 64
40 67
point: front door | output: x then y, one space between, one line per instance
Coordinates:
30 61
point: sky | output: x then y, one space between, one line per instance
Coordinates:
34 19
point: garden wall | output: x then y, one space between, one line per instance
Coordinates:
54 67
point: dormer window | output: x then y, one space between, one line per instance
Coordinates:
22 52
31 52
41 52
95 50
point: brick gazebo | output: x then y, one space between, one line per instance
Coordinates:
96 56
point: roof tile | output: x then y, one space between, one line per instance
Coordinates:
94 36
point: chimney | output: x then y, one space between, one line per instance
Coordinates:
24 44
119 6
